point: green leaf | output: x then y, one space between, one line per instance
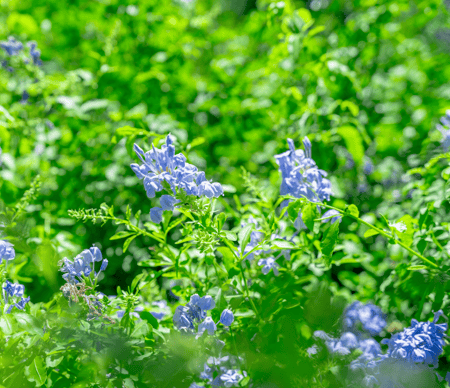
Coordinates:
136 280
47 263
283 244
293 209
406 237
352 107
244 236
421 246
353 142
220 219
127 131
6 324
329 239
36 372
353 210
416 267
141 329
370 233
121 234
309 214
51 363
423 218
229 261
230 235
127 242
150 319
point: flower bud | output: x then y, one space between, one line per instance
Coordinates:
227 317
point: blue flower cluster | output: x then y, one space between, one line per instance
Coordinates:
412 352
11 290
347 342
444 128
300 175
368 318
226 368
185 317
267 263
301 178
422 342
162 165
82 265
13 47
7 251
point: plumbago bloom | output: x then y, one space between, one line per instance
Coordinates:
7 251
224 367
411 357
301 177
368 318
14 290
444 128
267 263
162 165
422 342
11 292
13 48
185 317
227 371
82 265
79 270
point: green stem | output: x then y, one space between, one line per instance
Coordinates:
383 233
234 341
248 291
243 275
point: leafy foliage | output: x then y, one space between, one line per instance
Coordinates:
366 83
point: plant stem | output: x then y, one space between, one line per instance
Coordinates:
247 290
243 275
383 233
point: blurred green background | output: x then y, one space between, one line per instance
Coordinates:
365 80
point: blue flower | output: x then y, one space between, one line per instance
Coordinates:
194 311
206 303
35 53
369 381
422 342
104 265
227 317
168 202
300 175
159 165
7 251
25 97
208 325
158 315
12 46
368 167
14 289
82 265
20 304
369 316
156 214
230 378
269 264
445 130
